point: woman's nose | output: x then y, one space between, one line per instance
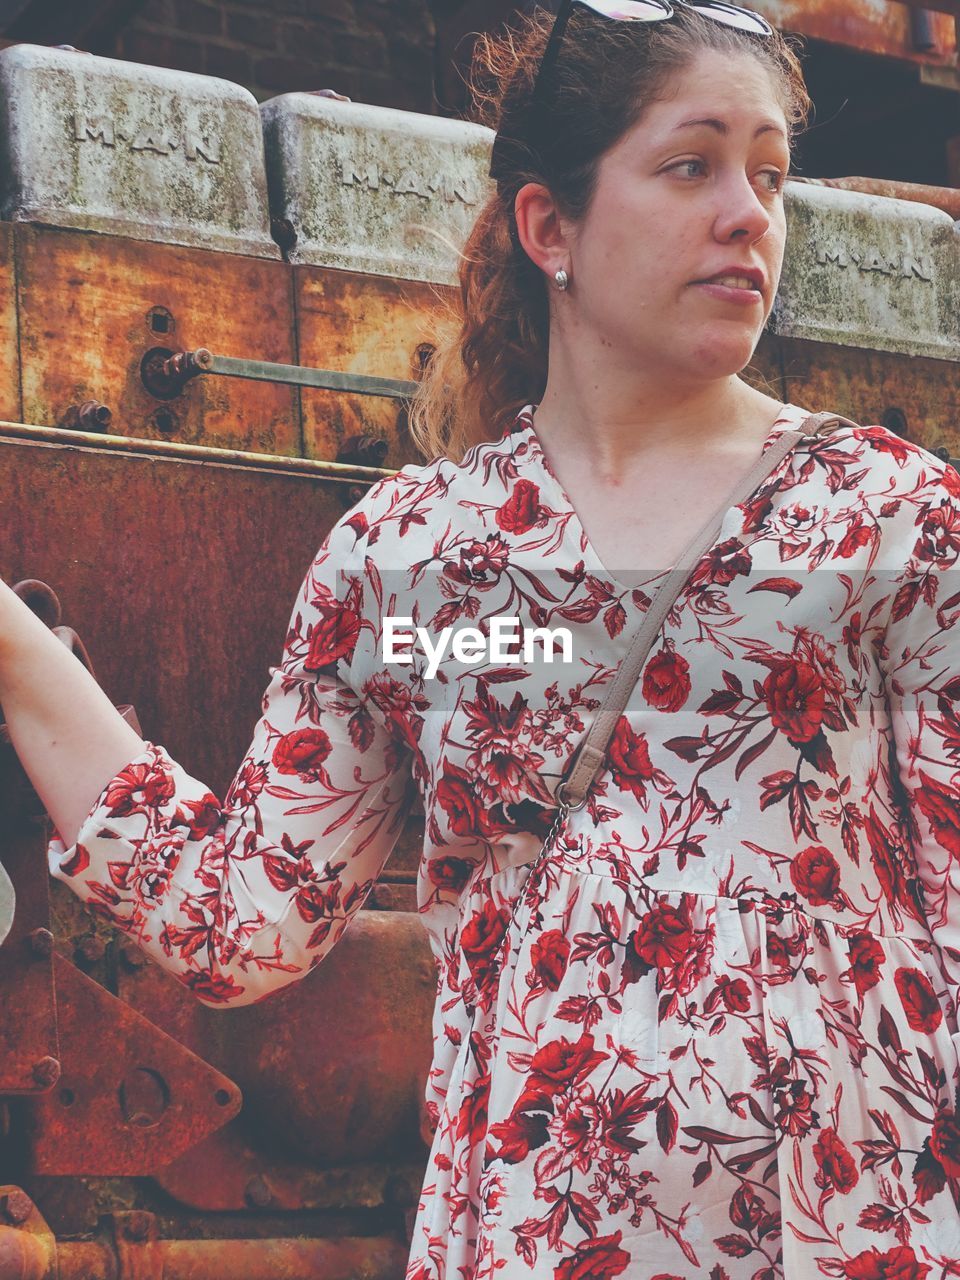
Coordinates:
742 209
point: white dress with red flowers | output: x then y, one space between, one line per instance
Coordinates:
718 1036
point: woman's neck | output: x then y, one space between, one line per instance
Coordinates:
619 432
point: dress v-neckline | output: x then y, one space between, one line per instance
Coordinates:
789 417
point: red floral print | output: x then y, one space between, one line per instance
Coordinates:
815 873
549 955
866 961
301 752
795 697
630 760
716 1032
521 511
919 1000
666 682
836 1166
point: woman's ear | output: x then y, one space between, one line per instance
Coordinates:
539 229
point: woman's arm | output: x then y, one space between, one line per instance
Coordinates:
69 737
241 897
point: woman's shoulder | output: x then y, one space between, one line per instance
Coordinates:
869 449
418 500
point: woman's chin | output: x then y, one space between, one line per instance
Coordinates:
723 357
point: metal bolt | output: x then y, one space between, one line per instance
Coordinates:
91 948
91 415
17 1206
258 1193
41 943
46 1072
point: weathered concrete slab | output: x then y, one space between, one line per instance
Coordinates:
102 145
870 272
372 189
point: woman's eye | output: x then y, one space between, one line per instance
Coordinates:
685 163
779 178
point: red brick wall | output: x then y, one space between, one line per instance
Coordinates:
376 51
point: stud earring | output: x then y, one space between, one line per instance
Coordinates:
562 279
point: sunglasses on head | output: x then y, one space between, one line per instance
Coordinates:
730 15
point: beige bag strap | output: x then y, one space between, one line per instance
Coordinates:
572 792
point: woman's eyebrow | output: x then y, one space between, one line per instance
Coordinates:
722 127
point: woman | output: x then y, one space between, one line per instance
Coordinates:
715 1030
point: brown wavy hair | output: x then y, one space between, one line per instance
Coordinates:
491 357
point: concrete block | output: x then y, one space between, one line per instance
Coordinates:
870 272
103 145
373 189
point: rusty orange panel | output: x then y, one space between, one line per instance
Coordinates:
916 397
361 324
332 1068
872 26
178 576
9 358
912 395
91 308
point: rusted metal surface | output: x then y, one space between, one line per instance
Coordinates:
29 1043
945 198
91 307
368 325
159 563
343 474
10 404
870 26
313 1096
915 397
129 1098
28 1249
228 1171
198 692
134 1247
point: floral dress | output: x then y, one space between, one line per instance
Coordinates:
715 1033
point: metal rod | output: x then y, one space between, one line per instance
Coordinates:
297 376
315 469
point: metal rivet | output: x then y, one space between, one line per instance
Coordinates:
258 1193
17 1206
41 943
46 1072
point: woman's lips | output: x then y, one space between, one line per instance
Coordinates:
727 293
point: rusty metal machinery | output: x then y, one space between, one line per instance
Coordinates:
208 332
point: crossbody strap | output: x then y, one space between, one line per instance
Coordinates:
572 792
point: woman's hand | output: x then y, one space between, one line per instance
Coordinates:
69 737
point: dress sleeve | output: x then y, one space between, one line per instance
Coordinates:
238 899
922 676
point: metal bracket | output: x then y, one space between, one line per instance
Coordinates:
165 373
